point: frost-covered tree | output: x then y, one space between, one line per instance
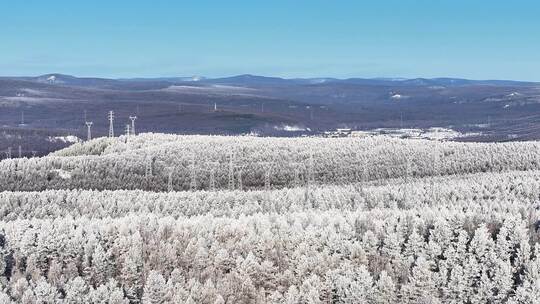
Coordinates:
155 289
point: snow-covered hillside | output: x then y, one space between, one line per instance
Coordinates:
161 218
157 162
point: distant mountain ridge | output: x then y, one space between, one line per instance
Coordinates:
257 80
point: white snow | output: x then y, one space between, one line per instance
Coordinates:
291 128
66 139
63 173
398 96
434 133
514 94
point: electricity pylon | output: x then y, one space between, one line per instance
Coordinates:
148 172
148 169
407 180
296 177
133 118
231 171
111 123
212 178
436 157
169 181
309 178
89 130
267 182
240 183
193 175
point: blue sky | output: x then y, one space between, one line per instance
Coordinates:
303 38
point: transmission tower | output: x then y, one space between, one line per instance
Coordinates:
406 184
435 168
309 178
133 118
111 123
128 130
231 171
267 168
296 177
240 183
212 178
169 181
20 152
311 173
267 184
407 169
193 174
89 130
365 173
148 170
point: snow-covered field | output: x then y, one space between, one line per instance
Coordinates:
435 133
208 219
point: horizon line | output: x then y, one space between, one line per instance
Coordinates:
396 78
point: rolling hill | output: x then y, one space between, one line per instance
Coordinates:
59 104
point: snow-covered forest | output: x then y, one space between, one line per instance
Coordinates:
160 218
155 162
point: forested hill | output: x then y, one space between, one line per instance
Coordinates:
158 218
159 162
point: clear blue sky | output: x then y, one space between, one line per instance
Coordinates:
290 38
